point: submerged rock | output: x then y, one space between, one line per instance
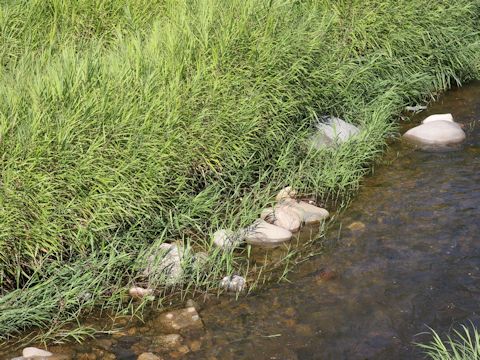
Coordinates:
183 319
309 214
286 193
438 117
167 342
265 234
137 292
356 226
234 283
35 353
283 217
332 131
148 356
437 132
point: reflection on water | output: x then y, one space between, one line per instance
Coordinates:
407 257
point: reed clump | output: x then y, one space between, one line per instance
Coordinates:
125 124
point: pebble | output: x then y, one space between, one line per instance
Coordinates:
35 353
356 226
148 356
137 292
233 283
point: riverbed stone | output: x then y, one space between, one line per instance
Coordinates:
234 283
264 234
309 214
438 117
138 292
35 353
177 320
332 131
286 193
283 217
439 132
148 356
166 342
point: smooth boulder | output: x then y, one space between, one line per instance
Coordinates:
439 132
264 234
283 217
438 117
309 214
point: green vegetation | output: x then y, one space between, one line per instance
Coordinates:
464 346
125 124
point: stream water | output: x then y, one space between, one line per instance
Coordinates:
406 257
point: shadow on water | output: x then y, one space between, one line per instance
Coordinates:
407 257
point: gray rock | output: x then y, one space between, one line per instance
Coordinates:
439 132
265 234
234 283
332 131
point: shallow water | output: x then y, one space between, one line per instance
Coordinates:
410 261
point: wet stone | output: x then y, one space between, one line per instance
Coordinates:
148 356
35 353
438 133
166 342
183 319
356 226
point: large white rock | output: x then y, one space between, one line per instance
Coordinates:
439 132
265 234
309 214
35 353
282 216
333 131
438 117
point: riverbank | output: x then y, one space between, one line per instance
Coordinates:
124 126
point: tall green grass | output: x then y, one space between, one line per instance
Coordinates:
463 345
125 124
